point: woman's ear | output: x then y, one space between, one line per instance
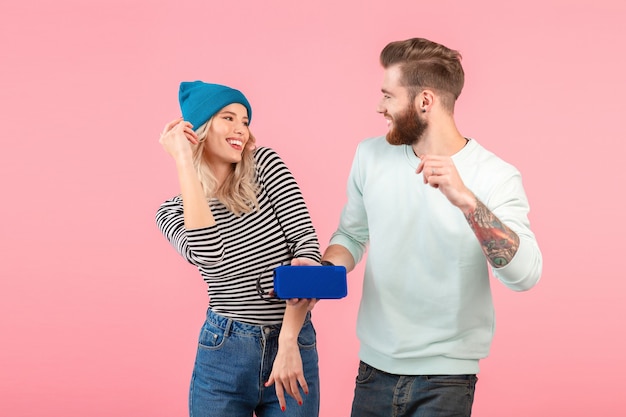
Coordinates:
251 144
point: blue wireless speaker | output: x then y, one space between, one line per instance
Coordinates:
328 282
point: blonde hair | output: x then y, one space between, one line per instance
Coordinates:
238 191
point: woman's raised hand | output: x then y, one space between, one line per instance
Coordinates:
177 138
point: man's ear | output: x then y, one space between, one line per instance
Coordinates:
424 100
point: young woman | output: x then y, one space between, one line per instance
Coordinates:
239 215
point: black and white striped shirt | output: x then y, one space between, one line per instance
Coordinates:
238 253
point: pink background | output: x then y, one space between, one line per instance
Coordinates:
99 316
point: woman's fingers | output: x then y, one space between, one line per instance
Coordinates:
191 134
171 125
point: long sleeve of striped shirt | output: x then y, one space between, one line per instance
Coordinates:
288 205
202 246
237 256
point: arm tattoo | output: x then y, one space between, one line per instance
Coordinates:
499 243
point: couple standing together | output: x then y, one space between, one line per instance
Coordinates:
434 209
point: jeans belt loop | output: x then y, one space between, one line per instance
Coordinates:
229 324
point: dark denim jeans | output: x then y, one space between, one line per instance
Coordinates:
379 394
233 362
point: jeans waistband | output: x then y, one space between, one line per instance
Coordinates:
234 326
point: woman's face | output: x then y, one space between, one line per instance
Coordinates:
228 135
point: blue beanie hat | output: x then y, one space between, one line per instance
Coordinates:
199 101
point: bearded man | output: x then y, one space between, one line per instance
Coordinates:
435 210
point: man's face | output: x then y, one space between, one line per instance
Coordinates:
406 126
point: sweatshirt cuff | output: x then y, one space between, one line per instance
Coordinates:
524 270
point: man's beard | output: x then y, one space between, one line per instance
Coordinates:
407 128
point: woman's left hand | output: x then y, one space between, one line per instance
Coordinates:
297 302
287 374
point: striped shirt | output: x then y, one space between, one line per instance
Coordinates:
236 256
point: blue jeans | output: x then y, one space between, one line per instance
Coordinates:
379 394
233 362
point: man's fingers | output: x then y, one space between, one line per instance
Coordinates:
420 167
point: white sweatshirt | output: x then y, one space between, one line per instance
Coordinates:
426 306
